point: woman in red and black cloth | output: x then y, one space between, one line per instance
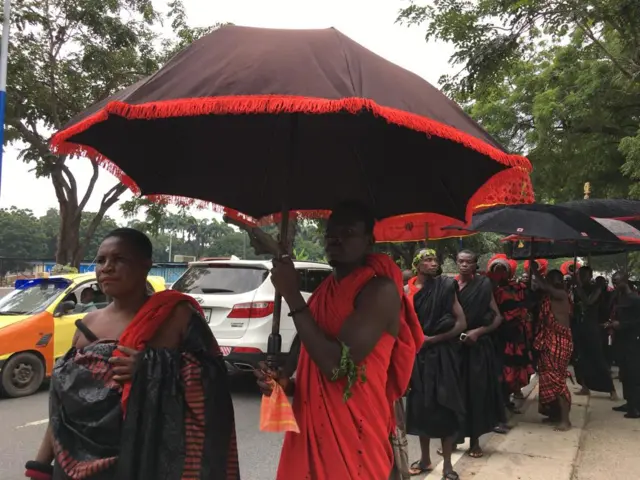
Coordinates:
513 337
143 393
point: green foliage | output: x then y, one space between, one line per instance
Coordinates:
24 237
558 80
20 238
350 371
63 269
484 244
64 57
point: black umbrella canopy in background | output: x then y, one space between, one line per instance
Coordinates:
256 119
611 208
541 221
520 248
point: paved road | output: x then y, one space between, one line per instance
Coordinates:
23 422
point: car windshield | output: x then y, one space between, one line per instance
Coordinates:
221 279
32 297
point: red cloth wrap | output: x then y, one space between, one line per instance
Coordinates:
339 440
567 267
37 475
145 324
543 265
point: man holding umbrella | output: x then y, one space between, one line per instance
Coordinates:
357 324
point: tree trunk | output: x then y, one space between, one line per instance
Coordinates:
71 247
68 236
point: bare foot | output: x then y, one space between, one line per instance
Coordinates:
563 427
475 452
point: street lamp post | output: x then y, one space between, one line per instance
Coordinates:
4 55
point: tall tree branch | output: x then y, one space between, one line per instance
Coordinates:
90 187
108 200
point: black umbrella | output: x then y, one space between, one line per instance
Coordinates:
520 248
541 221
614 208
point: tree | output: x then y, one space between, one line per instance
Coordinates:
50 225
21 239
65 56
558 80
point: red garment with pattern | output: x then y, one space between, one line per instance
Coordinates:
349 440
515 334
90 442
555 344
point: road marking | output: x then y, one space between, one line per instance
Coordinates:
33 424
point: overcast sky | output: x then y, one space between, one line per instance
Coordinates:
369 22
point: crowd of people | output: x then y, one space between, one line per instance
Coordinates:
487 334
143 392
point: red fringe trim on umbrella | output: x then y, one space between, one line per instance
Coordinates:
508 187
282 104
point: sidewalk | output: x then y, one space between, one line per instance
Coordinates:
610 443
601 444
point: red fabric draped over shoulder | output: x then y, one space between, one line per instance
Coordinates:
339 440
145 324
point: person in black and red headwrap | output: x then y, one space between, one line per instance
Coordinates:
514 334
543 266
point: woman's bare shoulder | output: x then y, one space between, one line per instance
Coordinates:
92 318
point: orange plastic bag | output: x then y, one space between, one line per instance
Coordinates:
276 414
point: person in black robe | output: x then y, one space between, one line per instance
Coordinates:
604 315
590 363
626 323
435 406
484 405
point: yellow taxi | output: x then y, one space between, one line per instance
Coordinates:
37 324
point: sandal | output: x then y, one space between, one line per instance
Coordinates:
502 429
418 468
451 476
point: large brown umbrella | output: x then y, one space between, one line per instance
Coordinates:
261 121
252 119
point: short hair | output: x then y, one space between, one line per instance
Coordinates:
622 276
586 268
135 238
357 212
555 273
468 252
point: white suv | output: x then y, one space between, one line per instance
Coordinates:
237 299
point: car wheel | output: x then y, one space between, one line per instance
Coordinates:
22 375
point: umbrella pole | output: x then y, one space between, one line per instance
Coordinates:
274 344
532 258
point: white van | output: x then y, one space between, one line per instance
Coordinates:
237 298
